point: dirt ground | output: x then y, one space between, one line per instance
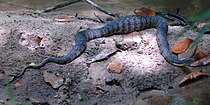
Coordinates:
26 38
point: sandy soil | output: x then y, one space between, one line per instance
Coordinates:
26 38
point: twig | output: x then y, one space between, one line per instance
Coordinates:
85 18
99 18
99 8
72 2
57 6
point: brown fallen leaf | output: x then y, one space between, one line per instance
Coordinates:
181 46
115 67
38 40
53 79
144 12
17 84
202 62
193 75
201 54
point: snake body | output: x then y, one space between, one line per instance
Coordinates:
122 25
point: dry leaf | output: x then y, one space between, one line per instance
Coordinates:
38 40
182 45
144 12
115 67
193 75
201 54
53 80
202 62
17 84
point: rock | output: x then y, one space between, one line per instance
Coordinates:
104 54
115 67
55 81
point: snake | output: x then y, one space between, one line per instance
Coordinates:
123 25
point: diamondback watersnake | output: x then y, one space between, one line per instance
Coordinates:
122 25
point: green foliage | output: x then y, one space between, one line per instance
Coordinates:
12 101
190 103
194 19
200 35
198 17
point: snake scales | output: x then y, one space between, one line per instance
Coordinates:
122 25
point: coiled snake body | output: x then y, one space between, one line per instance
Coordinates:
122 25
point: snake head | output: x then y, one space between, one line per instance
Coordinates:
32 64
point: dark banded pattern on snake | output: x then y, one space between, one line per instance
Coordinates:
122 25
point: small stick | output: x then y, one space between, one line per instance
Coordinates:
57 6
72 2
99 18
85 18
99 8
